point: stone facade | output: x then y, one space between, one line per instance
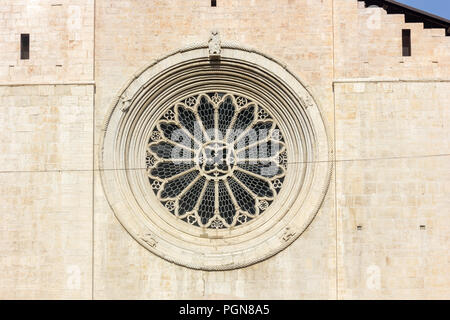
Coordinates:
383 229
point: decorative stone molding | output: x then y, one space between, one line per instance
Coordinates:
136 143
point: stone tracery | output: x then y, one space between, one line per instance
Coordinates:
191 188
217 163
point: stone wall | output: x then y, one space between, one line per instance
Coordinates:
392 178
61 40
389 115
368 44
46 191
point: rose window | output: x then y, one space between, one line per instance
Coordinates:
216 160
215 157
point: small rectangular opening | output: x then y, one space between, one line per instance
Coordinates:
406 42
423 227
213 3
24 46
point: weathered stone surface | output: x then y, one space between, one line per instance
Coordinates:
46 238
61 40
46 127
382 231
401 250
392 119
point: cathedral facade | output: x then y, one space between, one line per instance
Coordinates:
251 149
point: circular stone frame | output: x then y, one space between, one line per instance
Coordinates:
151 92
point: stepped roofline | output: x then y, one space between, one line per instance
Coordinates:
412 14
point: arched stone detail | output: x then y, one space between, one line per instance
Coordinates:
157 88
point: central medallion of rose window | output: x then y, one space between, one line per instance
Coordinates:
216 160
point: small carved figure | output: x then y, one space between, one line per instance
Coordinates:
214 45
125 102
307 102
288 234
148 239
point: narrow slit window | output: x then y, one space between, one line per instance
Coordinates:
406 40
213 3
24 46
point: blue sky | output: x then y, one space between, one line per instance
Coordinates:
437 7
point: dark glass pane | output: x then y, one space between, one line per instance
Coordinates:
406 42
24 46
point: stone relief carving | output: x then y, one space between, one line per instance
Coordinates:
307 102
149 239
288 234
125 102
214 44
